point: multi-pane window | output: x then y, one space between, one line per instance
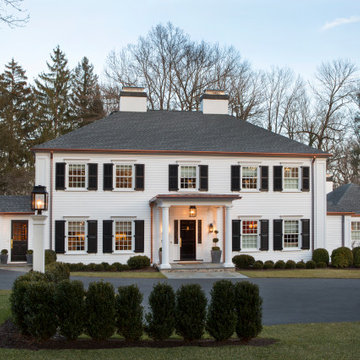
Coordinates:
188 177
291 178
291 234
123 235
77 176
76 236
249 177
355 233
124 176
249 234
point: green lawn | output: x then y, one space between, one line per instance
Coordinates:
122 274
328 273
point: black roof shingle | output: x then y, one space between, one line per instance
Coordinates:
15 204
345 198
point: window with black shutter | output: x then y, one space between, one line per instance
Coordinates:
139 177
264 235
60 236
108 177
236 235
235 177
92 176
176 232
173 178
92 236
204 181
278 235
305 234
60 176
264 178
305 178
139 236
278 178
107 236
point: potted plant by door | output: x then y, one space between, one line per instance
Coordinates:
4 256
215 250
29 257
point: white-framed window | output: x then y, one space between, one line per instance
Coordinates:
76 178
291 233
124 176
76 235
188 177
355 233
291 178
249 177
250 234
124 231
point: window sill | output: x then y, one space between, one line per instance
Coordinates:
250 191
250 250
292 191
76 190
294 249
123 190
124 252
76 252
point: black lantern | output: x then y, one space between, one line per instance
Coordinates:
211 228
192 211
39 199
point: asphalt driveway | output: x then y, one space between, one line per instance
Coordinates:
285 300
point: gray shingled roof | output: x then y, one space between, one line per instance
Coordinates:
15 203
345 198
176 131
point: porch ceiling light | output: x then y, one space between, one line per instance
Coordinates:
192 211
39 199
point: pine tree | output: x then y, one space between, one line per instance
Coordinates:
53 97
86 98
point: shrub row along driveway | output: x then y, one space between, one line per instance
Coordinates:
285 300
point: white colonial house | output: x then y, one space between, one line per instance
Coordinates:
137 181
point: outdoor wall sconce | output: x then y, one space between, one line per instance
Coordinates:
211 228
39 199
192 211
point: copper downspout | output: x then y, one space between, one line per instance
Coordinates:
51 197
151 233
224 234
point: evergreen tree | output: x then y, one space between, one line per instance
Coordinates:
86 98
53 97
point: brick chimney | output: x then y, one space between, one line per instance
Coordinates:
133 98
214 102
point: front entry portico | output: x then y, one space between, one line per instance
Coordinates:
185 236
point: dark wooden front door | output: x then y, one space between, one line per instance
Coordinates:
19 236
188 239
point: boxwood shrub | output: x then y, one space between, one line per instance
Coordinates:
160 321
248 310
268 264
300 265
57 272
280 264
243 261
129 312
321 265
50 257
221 317
290 264
190 311
356 256
100 310
138 262
311 264
258 265
321 255
342 257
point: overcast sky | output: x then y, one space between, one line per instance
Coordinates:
293 33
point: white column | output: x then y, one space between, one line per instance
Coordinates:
165 238
38 242
228 239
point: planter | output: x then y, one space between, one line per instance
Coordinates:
4 258
160 256
29 259
216 256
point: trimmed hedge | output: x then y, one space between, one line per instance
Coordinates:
243 261
70 308
100 310
161 318
221 317
98 267
129 312
342 257
248 305
138 262
50 257
321 265
310 264
268 264
321 255
300 265
258 265
356 256
57 272
280 264
290 264
190 310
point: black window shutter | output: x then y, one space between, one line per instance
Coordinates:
176 232
139 236
60 236
235 178
139 177
264 175
107 236
264 235
173 177
305 178
92 236
305 230
278 235
278 178
204 177
92 176
236 235
60 176
108 176
199 231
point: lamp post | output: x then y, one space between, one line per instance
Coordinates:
39 203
